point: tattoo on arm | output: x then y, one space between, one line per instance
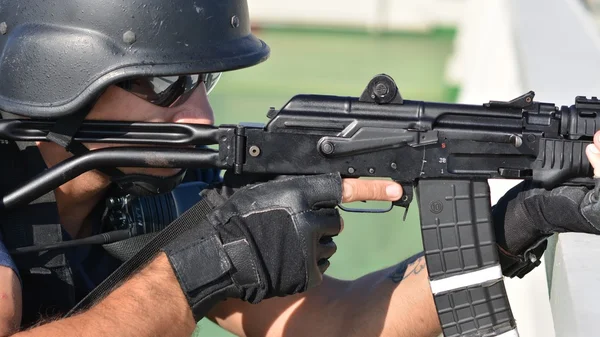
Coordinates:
403 271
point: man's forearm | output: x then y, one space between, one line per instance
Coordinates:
396 302
151 303
392 302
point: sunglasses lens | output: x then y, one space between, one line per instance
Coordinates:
165 90
210 80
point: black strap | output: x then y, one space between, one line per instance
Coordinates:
66 127
186 221
126 249
64 130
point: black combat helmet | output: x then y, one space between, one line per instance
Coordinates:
59 55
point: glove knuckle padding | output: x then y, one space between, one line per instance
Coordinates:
288 241
280 249
299 199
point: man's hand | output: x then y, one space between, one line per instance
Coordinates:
265 239
528 214
395 301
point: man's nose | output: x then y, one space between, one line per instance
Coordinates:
195 109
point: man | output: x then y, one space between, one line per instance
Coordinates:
106 61
121 89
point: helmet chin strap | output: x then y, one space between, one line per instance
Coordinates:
64 130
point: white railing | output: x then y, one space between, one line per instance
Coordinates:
505 48
559 52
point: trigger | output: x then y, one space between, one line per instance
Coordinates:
406 199
407 196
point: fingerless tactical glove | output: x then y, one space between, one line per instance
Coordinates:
528 214
263 240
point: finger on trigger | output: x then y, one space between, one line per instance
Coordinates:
367 189
593 155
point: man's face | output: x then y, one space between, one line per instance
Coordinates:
117 104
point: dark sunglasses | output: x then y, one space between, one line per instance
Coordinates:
165 90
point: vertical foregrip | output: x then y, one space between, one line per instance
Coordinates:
462 260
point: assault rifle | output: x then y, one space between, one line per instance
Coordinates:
445 151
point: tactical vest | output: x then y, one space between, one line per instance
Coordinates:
47 280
